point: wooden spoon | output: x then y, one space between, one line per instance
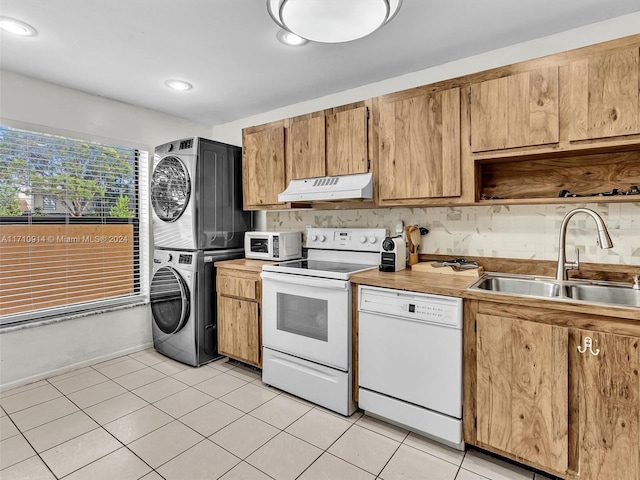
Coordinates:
415 237
407 232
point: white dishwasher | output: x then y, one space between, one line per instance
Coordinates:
410 361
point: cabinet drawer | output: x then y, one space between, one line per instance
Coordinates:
238 287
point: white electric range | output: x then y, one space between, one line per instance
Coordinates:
306 315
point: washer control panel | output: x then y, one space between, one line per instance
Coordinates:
177 259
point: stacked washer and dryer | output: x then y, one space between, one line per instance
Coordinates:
197 220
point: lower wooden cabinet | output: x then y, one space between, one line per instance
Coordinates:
239 322
608 395
555 390
522 388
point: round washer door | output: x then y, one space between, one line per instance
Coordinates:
170 300
170 188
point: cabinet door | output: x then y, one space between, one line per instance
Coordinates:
307 139
515 111
239 329
419 146
604 95
347 142
522 389
263 158
608 405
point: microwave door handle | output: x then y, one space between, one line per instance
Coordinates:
306 281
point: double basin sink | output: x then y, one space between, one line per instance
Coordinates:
608 293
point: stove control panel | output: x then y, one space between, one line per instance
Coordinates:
356 239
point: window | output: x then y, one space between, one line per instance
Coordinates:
74 225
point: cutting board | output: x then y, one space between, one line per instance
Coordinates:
429 268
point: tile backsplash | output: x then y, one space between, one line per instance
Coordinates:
513 231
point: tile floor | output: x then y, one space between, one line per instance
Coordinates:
144 416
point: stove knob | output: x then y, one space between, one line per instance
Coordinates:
314 238
373 239
321 238
363 239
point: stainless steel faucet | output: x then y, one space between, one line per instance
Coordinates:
604 240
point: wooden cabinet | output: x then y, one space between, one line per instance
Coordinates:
522 383
263 165
604 95
555 389
608 395
515 111
239 324
328 143
419 145
568 123
347 141
308 155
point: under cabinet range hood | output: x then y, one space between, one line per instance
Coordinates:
357 186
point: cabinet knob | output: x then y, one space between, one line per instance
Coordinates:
588 345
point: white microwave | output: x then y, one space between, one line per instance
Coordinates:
273 245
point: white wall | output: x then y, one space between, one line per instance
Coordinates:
35 352
31 103
599 32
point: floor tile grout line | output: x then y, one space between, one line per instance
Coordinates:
93 461
435 456
277 393
33 387
380 433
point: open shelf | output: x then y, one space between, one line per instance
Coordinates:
540 180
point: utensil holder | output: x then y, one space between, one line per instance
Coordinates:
413 259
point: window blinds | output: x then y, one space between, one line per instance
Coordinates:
73 225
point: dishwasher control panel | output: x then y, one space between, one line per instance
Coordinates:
438 309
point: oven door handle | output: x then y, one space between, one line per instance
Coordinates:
306 281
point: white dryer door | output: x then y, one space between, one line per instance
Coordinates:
170 300
170 189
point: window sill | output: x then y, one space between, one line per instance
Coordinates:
70 316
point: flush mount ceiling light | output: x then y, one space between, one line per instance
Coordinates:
332 21
179 85
16 27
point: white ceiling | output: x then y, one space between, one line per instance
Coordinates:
126 49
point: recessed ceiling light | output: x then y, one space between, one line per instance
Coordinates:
291 39
179 85
16 27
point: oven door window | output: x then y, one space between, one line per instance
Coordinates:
303 316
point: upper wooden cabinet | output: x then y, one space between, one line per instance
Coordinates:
419 145
522 389
327 143
604 95
263 166
568 122
347 141
515 111
308 154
